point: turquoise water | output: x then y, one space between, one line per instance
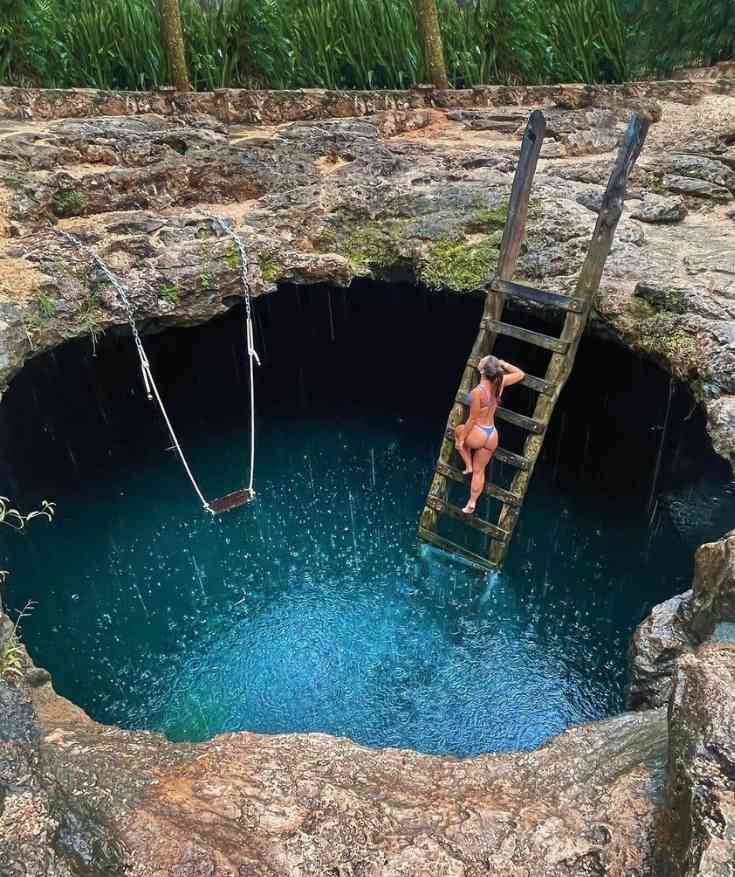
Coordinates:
312 609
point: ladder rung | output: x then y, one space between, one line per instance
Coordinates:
511 417
453 511
540 296
490 489
511 459
521 420
452 548
530 381
546 341
500 454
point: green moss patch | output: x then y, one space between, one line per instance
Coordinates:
375 245
486 220
459 265
270 269
69 202
169 292
661 335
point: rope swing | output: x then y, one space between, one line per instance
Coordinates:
237 497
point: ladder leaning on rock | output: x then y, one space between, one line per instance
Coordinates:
500 289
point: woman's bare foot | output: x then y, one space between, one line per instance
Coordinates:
467 471
469 509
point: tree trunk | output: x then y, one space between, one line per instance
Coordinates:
172 34
428 18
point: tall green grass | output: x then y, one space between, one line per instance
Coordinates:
357 43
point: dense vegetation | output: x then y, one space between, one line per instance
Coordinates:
358 43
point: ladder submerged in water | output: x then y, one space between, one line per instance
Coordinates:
501 289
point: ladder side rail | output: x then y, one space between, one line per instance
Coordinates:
510 246
560 365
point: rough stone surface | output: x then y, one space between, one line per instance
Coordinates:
696 836
654 208
268 106
95 800
406 192
682 623
712 598
658 641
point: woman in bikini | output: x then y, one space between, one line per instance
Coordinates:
479 434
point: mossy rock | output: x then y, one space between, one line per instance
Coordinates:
662 335
487 220
69 202
270 269
458 264
377 247
661 298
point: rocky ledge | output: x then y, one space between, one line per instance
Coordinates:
80 798
416 193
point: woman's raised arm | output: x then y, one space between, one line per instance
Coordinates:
513 375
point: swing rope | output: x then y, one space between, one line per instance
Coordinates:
249 340
145 367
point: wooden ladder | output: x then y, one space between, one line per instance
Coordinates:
501 288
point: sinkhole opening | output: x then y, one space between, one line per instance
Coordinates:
312 609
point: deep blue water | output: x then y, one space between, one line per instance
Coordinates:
312 609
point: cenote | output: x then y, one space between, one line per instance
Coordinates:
312 609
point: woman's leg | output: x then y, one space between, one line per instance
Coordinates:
464 452
481 458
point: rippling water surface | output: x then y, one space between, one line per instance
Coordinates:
312 609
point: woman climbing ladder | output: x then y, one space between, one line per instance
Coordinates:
477 439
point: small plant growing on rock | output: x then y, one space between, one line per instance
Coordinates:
169 292
11 650
90 316
69 202
46 305
270 270
232 257
655 184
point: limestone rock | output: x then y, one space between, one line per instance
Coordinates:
713 589
721 426
591 199
127 802
552 148
6 629
696 836
700 167
682 623
334 199
698 188
654 208
657 643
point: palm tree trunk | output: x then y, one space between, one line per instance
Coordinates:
428 18
172 34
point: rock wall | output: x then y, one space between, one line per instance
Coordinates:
679 625
80 798
696 831
252 106
418 193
